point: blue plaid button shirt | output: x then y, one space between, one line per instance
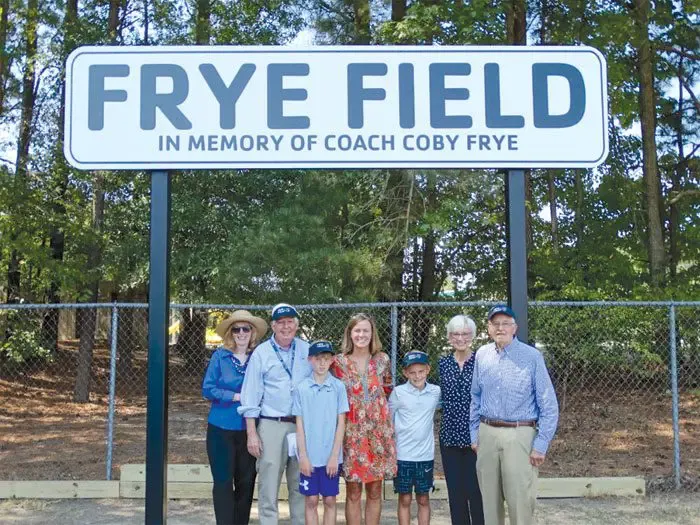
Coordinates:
514 385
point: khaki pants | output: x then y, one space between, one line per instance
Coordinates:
504 472
274 461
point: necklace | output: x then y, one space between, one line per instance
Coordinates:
363 373
361 364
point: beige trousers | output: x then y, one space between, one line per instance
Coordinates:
504 472
274 461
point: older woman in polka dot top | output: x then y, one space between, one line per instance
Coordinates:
458 459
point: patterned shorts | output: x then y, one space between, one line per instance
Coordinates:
414 474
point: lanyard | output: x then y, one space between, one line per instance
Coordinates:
277 352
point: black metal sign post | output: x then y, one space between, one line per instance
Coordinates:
158 314
517 249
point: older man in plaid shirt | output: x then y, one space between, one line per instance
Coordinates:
513 418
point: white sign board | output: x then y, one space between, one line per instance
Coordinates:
331 107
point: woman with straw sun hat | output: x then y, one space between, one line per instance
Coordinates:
232 467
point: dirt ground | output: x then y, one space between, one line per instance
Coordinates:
43 435
655 510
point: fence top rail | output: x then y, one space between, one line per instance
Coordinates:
68 306
343 306
613 303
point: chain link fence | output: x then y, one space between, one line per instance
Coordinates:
73 382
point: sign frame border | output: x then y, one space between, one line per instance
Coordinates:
348 164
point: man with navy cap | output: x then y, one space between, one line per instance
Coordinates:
275 369
513 418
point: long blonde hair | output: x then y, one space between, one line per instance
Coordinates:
230 342
375 345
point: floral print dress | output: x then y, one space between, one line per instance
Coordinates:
369 449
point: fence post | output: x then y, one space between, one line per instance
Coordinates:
394 341
674 397
112 388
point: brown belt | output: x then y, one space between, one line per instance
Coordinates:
509 424
283 419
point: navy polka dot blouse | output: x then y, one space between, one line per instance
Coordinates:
456 388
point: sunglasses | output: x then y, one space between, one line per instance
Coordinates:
239 329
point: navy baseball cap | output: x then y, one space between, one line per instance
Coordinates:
283 310
320 347
501 309
415 357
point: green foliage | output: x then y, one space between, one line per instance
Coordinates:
612 339
20 339
22 346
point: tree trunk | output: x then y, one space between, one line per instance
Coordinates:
516 23
86 332
49 328
203 22
129 339
146 22
554 221
396 205
361 12
49 323
14 276
578 209
24 139
87 328
422 322
677 176
113 21
427 279
647 114
126 343
398 10
191 344
4 55
544 22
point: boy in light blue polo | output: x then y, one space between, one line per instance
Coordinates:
320 404
413 406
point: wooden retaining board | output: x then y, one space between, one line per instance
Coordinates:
195 482
59 489
590 487
194 473
546 488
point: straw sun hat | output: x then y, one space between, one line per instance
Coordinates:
242 316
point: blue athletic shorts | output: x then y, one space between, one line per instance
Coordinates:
320 483
414 474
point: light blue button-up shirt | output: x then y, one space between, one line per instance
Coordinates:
267 387
413 412
319 405
514 385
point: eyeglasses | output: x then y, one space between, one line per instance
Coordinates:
458 335
501 325
239 329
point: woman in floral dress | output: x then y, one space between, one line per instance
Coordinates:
369 450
